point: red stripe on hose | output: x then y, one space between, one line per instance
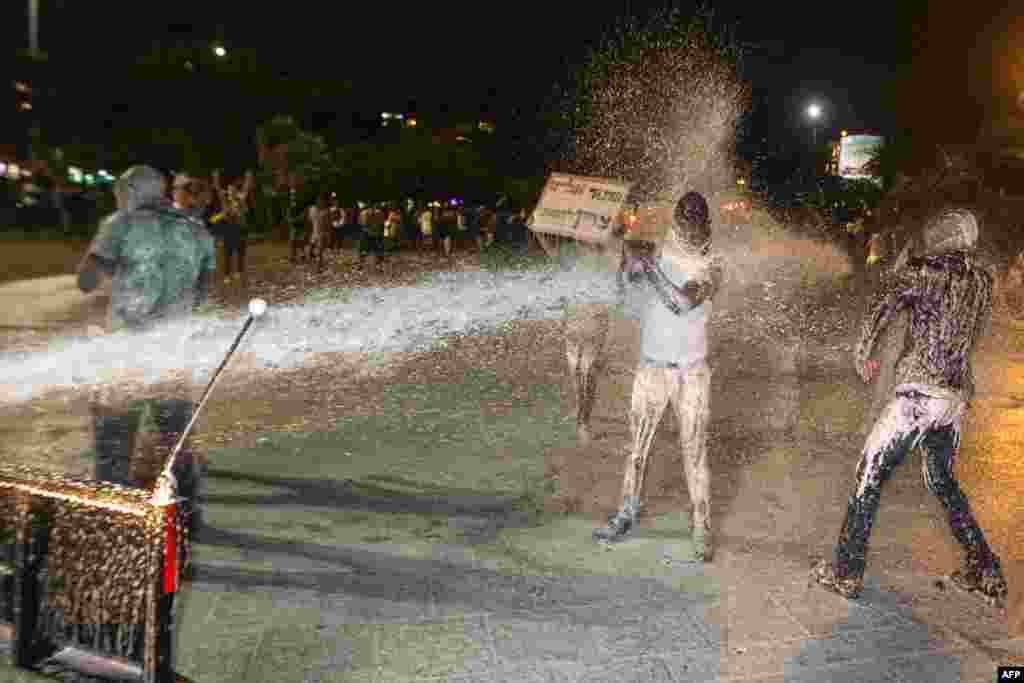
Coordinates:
171 548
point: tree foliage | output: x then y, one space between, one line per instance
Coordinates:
290 155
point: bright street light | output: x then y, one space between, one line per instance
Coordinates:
814 111
219 51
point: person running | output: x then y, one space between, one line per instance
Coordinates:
160 262
948 295
683 279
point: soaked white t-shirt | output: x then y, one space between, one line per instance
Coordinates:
670 338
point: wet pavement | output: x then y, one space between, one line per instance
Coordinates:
429 520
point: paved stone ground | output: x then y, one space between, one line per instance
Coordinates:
347 614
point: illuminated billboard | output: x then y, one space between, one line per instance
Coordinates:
855 151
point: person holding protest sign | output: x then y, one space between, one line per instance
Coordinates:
586 325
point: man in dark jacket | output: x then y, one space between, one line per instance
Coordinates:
160 261
948 295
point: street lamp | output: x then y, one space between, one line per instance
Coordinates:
219 50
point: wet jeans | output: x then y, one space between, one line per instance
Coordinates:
687 389
585 339
910 419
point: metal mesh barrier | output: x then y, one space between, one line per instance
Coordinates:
88 572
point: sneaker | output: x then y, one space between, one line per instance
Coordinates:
703 548
618 527
583 435
825 574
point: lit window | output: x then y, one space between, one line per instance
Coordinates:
26 106
486 126
22 87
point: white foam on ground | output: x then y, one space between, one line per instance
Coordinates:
384 321
371 320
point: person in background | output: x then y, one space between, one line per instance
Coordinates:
488 228
296 220
318 221
392 235
445 229
352 222
469 225
337 224
948 294
585 326
426 220
189 196
681 283
373 219
160 262
235 203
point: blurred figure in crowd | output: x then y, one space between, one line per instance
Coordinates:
426 220
235 201
318 221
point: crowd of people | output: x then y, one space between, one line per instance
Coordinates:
325 226
379 230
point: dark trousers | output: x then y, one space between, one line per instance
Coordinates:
234 247
371 244
123 432
909 420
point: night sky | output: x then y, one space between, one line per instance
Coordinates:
867 63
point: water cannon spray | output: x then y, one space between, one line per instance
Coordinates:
164 492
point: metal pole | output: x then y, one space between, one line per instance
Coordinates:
33 26
206 395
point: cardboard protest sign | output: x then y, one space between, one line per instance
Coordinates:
579 207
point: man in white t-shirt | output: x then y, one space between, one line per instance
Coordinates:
681 282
